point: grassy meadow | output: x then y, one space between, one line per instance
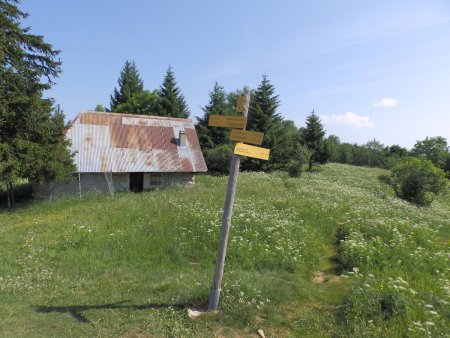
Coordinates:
332 253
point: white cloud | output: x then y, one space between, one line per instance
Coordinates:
386 102
348 119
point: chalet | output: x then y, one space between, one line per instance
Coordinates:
117 152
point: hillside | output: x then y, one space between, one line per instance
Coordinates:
333 253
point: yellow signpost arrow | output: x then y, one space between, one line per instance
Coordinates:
253 137
227 121
252 151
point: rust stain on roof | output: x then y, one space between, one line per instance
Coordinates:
94 119
134 143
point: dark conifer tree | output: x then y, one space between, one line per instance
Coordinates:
210 137
263 117
313 138
214 141
130 83
28 66
171 101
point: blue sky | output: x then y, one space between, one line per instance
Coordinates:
370 69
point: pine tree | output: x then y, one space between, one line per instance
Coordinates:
210 137
48 160
313 138
214 141
263 117
171 100
130 83
27 67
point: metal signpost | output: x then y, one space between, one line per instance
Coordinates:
240 149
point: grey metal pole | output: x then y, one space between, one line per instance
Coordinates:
79 183
226 222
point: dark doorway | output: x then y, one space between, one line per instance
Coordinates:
136 182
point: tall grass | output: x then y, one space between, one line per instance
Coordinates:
132 265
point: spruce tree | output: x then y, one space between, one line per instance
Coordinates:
171 101
210 137
28 66
130 83
214 141
263 117
313 138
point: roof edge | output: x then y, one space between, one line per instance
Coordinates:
153 117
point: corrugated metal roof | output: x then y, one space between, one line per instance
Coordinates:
105 142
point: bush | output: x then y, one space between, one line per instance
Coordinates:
294 168
417 180
218 159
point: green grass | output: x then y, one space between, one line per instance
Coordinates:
132 265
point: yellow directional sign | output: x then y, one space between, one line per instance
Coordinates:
240 106
251 151
227 121
253 137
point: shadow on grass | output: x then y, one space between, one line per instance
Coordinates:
22 197
76 311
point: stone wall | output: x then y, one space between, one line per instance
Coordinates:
90 182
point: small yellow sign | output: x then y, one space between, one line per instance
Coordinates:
227 121
252 151
240 105
253 137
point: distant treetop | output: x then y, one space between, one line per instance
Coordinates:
130 83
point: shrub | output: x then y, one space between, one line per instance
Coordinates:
417 180
218 159
294 168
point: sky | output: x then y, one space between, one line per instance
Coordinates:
370 69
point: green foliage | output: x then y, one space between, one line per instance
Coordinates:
210 137
447 166
171 101
218 159
279 136
143 103
263 117
215 141
32 144
130 84
313 138
286 153
434 149
49 160
418 180
332 145
370 154
294 168
99 107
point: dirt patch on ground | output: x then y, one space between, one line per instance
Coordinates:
320 277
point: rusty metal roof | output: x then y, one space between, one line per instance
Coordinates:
105 142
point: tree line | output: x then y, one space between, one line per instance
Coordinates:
417 175
375 154
290 147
